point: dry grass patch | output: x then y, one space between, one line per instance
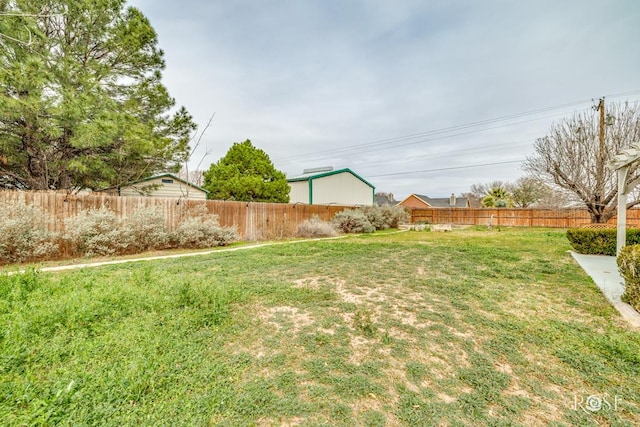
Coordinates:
293 319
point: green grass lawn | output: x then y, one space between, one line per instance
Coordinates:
473 327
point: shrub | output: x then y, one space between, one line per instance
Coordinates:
200 229
146 228
352 221
376 217
397 215
629 266
384 217
23 235
599 241
98 232
315 227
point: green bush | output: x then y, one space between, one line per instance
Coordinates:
352 221
397 215
599 241
23 234
98 232
315 227
384 217
147 230
629 266
102 232
200 229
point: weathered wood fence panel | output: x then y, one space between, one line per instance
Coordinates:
561 218
254 221
257 221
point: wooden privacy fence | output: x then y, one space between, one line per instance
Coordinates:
258 221
254 221
561 218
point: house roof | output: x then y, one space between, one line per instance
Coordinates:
307 177
385 199
440 202
163 175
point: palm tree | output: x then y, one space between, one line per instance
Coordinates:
497 197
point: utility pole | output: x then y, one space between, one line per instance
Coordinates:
601 157
600 107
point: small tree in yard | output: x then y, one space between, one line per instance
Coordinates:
575 153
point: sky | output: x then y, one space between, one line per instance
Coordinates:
426 97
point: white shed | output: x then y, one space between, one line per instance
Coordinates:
166 185
339 187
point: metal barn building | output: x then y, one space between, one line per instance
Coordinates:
328 187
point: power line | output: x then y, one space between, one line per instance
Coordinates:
445 169
345 150
474 151
477 148
391 142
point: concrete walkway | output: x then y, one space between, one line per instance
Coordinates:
160 257
604 272
180 255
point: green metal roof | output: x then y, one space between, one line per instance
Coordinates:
329 173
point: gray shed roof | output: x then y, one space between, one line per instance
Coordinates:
162 175
385 199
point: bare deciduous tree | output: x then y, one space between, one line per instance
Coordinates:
556 198
573 157
527 191
194 177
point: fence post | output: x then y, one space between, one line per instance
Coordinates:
249 222
530 217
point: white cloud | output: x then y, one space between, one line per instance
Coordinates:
300 78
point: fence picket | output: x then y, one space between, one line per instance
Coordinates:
272 220
560 218
253 220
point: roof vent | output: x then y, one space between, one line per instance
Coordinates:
318 170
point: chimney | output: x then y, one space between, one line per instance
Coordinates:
452 200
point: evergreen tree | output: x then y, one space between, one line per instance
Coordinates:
82 104
246 173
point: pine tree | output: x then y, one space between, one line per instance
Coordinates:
82 104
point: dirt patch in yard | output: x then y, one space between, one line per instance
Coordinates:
286 317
